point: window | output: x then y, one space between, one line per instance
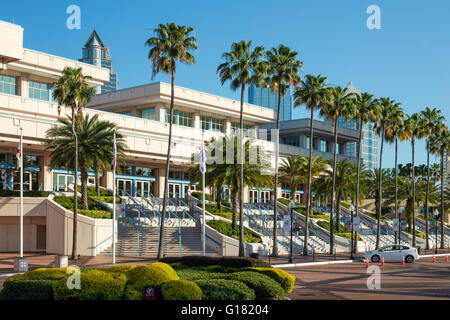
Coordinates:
128 114
3 158
205 122
292 141
7 84
148 114
184 118
247 129
176 174
38 90
217 125
126 170
323 146
30 161
145 172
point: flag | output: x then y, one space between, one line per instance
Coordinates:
19 156
202 159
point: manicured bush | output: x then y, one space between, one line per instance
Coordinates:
199 196
31 194
225 228
221 289
347 235
121 268
265 287
285 279
27 290
166 268
106 199
141 277
95 285
91 191
228 262
195 273
181 290
326 225
96 214
67 202
320 216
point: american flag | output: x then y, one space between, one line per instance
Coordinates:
202 159
19 156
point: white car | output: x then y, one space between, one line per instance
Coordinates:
393 253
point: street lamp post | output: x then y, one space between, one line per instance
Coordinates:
436 213
352 208
400 211
291 208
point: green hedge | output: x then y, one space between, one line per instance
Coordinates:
212 208
199 196
106 199
221 289
95 285
121 268
326 225
347 235
181 290
67 202
141 277
374 216
265 287
320 216
28 290
96 214
285 279
225 228
91 192
225 262
31 194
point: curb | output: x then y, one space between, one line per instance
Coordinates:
307 264
8 275
434 255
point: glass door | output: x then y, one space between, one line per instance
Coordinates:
124 185
265 196
3 176
143 188
253 196
174 190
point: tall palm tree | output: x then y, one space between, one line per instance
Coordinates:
414 130
339 105
290 172
282 69
441 145
431 119
170 45
383 128
243 67
367 110
73 90
397 129
95 143
313 93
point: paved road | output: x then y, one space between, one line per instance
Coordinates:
421 280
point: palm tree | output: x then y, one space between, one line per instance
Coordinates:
72 90
397 130
383 128
313 93
339 105
441 145
431 119
243 67
95 144
290 172
282 70
171 44
414 130
366 111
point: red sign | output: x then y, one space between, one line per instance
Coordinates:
150 294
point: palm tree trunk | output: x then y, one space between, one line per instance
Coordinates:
84 196
234 199
413 197
397 233
338 212
219 197
241 176
166 182
333 187
442 201
427 245
275 209
358 165
380 193
97 182
75 193
308 187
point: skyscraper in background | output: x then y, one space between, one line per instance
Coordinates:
264 97
94 52
369 152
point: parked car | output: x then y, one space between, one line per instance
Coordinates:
394 253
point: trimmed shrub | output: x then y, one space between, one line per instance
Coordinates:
141 277
92 193
106 199
181 290
228 262
347 235
95 285
225 228
199 196
96 214
31 194
67 202
194 274
166 268
326 225
27 290
285 279
122 268
265 287
220 289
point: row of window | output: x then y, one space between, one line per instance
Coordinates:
28 161
7 84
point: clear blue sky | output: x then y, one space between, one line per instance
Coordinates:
407 60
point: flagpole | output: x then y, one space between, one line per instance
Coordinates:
21 192
114 204
203 193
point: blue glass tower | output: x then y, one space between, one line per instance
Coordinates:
95 53
264 97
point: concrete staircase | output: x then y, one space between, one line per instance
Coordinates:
126 245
